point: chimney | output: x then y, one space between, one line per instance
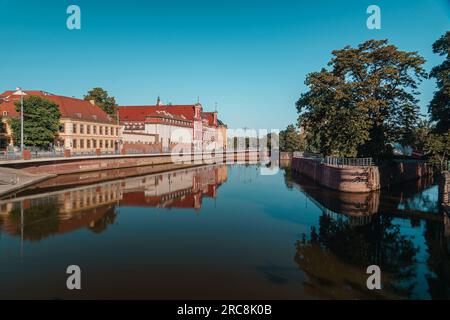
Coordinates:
92 102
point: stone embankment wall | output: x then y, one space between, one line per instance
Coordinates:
88 164
341 178
361 178
400 171
444 189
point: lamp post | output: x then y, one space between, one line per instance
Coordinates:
21 93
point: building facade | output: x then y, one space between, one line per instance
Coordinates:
84 127
167 126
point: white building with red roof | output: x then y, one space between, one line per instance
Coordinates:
168 126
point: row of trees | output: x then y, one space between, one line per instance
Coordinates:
42 118
366 100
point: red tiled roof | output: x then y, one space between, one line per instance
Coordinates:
72 108
166 114
139 113
210 117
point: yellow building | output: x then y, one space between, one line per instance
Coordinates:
84 127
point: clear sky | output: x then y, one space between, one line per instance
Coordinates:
251 57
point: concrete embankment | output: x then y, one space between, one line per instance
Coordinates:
341 178
361 178
12 180
395 172
444 191
33 171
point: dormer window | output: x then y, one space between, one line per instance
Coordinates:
5 113
94 117
78 115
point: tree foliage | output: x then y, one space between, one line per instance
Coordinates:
41 122
103 100
366 100
439 107
291 140
437 147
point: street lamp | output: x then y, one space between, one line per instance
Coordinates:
21 93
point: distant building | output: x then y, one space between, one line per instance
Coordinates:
222 134
166 126
84 127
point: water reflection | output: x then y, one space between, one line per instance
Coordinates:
336 252
277 236
35 216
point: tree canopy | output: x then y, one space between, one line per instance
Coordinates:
439 107
366 100
40 122
291 140
103 100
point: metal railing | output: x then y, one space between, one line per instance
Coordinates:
353 162
10 155
335 161
42 154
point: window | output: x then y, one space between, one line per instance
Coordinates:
101 143
74 128
94 129
101 130
88 129
81 143
94 143
88 143
81 129
117 131
106 144
106 131
74 143
61 127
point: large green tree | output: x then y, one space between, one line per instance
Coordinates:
437 147
103 100
291 140
366 100
41 122
439 107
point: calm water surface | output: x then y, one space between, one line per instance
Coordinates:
221 232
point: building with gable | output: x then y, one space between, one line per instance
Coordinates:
84 126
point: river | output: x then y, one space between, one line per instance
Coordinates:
221 231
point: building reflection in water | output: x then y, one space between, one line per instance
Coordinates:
358 230
37 216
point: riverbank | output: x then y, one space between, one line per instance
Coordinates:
18 180
360 178
37 170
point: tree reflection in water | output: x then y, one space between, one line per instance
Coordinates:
336 252
107 219
42 220
438 262
342 252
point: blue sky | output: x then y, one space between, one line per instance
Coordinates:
251 57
